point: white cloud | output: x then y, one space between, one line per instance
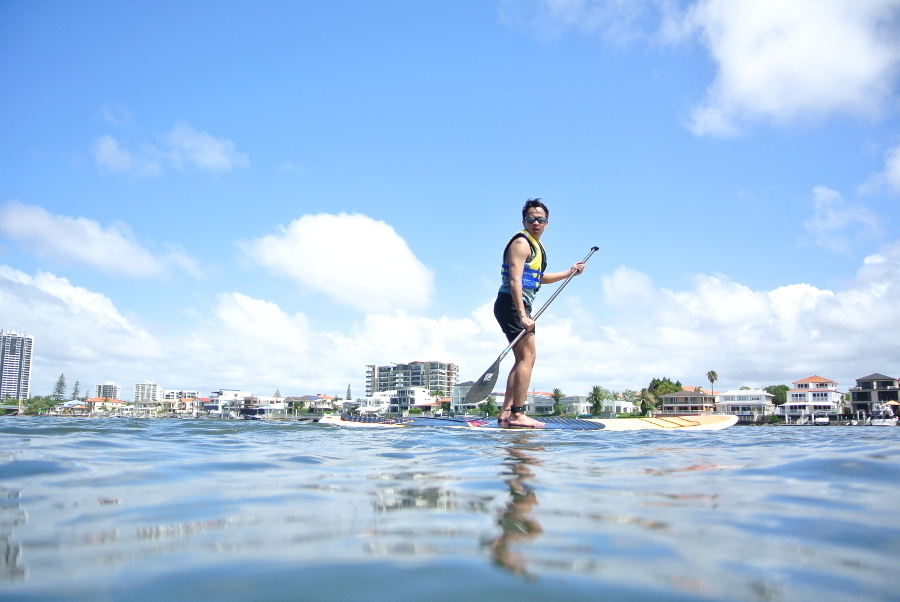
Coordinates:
890 177
777 61
112 156
116 114
791 61
71 324
892 168
112 249
750 337
203 151
109 154
350 257
835 221
182 147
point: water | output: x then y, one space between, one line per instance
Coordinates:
118 509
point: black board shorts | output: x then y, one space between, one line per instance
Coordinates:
508 316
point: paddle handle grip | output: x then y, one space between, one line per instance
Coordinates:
549 301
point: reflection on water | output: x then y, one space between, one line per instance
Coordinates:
517 526
124 509
11 515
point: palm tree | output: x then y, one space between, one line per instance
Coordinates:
648 401
596 398
712 377
558 408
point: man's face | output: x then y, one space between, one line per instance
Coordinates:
535 228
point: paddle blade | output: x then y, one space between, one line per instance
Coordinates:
484 385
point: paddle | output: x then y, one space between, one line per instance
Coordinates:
483 387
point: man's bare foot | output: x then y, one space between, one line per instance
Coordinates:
503 418
521 421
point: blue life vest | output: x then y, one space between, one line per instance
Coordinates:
533 270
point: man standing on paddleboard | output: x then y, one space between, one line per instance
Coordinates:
524 262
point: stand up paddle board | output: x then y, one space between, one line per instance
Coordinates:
711 422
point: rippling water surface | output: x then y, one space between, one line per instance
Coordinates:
206 510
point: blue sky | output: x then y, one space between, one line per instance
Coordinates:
273 195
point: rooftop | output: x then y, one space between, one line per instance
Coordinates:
814 379
876 376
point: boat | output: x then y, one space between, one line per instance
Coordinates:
882 415
821 419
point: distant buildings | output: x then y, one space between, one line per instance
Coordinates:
181 394
872 390
108 389
148 392
226 400
458 397
689 401
406 398
433 376
810 395
745 402
15 365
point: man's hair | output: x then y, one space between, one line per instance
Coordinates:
531 204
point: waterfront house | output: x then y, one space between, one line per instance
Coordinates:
536 402
872 390
225 402
690 401
189 406
619 405
576 405
811 395
377 402
749 404
325 403
104 404
73 407
458 397
407 398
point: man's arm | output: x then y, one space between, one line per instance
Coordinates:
516 257
557 276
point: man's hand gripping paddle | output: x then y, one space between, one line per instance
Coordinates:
484 385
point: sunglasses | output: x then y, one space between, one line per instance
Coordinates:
531 219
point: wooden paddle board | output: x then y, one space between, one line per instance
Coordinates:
709 422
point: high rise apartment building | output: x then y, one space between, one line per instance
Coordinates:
15 365
108 389
148 391
434 376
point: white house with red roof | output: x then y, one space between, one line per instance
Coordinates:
810 395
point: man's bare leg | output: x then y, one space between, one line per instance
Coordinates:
517 386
